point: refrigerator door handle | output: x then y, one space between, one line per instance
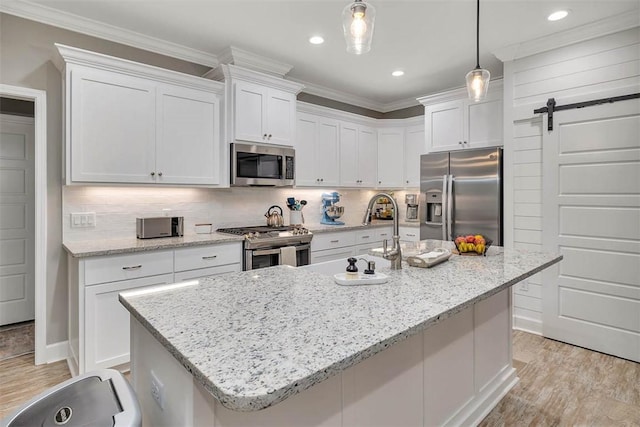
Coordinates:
450 208
444 207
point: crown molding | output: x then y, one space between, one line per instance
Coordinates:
332 113
351 99
458 93
252 61
68 55
90 27
228 72
588 31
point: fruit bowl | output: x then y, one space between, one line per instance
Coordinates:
472 244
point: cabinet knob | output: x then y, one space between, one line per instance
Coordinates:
269 136
321 179
460 142
464 142
407 181
159 173
153 174
379 182
264 136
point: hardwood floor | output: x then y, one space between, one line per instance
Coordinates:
560 385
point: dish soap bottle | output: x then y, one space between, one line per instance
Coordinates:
352 269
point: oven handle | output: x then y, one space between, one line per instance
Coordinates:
258 252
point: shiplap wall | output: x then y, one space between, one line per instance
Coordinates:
601 67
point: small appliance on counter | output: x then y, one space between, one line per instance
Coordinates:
163 226
412 206
331 211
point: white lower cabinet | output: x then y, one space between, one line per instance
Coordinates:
99 324
409 234
106 321
348 243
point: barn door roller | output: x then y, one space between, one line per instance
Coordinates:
552 107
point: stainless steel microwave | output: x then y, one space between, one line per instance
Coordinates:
262 165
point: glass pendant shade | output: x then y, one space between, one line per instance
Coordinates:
478 83
357 23
478 78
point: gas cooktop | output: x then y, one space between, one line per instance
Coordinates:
263 236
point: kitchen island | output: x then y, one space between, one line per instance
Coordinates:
430 347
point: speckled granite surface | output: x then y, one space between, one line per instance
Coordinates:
257 337
101 247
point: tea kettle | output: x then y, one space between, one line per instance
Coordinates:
274 219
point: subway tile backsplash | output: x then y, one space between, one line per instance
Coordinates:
117 208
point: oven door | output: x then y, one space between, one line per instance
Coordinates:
263 258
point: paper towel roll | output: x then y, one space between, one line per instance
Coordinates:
288 256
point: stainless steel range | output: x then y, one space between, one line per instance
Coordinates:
268 246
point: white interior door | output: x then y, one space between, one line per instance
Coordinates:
17 236
591 214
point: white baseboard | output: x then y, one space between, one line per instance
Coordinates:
57 351
526 324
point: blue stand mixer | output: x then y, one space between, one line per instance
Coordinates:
330 211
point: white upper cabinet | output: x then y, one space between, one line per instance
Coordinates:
358 155
261 108
390 158
453 122
414 147
317 151
133 123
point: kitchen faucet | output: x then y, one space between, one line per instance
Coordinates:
395 254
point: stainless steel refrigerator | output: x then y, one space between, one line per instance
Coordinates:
461 194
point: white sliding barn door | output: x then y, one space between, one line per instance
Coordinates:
591 214
17 235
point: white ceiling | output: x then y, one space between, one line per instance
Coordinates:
433 41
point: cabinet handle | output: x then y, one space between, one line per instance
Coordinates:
133 267
335 241
365 237
159 173
210 257
153 174
411 235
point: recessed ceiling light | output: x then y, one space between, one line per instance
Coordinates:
556 16
397 73
316 40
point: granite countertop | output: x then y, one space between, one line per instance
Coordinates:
101 247
257 337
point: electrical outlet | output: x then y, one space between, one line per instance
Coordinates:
157 390
83 220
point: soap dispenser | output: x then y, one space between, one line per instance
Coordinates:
352 269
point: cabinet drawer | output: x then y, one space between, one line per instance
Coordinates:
384 233
126 267
366 236
208 256
409 234
332 254
332 240
205 272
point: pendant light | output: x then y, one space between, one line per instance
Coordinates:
478 78
357 23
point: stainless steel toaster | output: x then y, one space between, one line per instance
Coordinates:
164 226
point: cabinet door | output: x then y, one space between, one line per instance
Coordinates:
484 123
306 137
281 116
112 136
249 111
188 136
327 154
390 157
367 156
106 322
414 146
444 124
349 174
